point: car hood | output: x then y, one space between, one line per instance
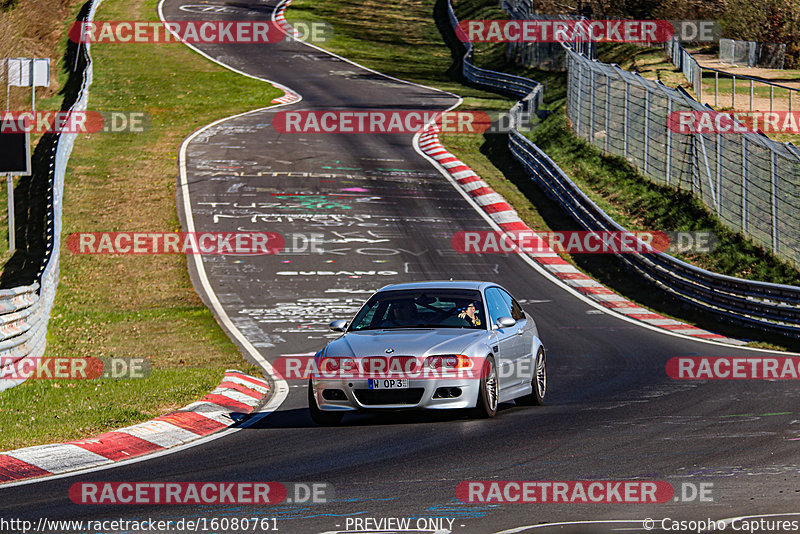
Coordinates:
410 342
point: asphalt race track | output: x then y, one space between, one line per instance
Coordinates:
362 211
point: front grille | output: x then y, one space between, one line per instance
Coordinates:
376 397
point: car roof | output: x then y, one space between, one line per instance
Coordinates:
440 284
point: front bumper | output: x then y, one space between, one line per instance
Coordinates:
421 394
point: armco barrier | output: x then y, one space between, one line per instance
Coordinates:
769 307
25 311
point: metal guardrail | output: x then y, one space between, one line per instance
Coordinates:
25 311
762 305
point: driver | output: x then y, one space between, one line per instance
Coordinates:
404 313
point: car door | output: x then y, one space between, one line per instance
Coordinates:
503 340
522 343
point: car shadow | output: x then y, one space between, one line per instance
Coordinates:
300 418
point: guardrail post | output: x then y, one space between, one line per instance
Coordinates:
751 94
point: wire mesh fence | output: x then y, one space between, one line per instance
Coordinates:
751 182
752 54
728 90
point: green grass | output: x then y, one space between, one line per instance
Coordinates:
132 306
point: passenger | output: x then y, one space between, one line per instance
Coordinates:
468 314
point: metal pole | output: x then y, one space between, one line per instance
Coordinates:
608 88
646 128
774 205
591 111
751 94
771 95
733 94
719 174
12 241
744 184
669 143
625 127
716 88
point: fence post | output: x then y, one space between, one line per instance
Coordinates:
751 94
744 184
579 69
591 111
646 126
719 175
733 93
608 103
774 196
716 88
699 83
625 126
771 95
669 142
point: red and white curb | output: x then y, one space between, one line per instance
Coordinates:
278 16
508 220
237 394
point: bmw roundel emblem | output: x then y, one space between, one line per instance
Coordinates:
389 351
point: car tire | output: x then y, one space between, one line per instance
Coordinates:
489 391
538 381
321 417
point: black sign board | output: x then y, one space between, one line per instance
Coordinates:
15 153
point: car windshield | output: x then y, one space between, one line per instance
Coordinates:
428 308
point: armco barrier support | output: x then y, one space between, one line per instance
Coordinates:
25 311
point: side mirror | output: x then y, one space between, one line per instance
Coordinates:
505 322
338 325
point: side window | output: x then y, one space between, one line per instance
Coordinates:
498 307
516 310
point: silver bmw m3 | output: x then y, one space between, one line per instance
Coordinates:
430 345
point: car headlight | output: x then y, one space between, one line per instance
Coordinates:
449 361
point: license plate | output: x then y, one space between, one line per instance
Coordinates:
388 383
